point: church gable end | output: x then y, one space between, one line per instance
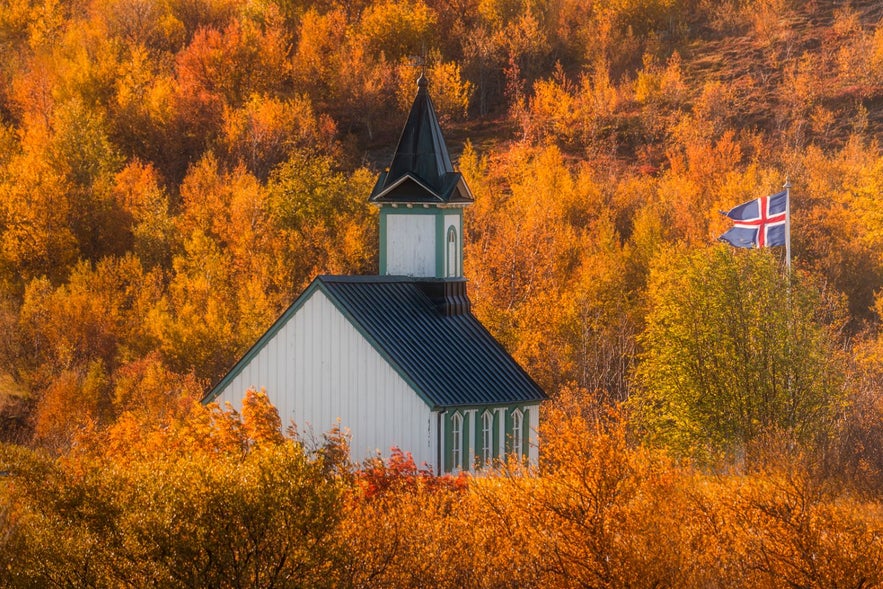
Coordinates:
398 359
319 370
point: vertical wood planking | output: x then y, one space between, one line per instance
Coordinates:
310 378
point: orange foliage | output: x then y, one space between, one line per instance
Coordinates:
172 173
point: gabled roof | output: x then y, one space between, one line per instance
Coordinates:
421 169
450 360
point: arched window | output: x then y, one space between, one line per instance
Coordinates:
452 252
517 433
487 437
456 441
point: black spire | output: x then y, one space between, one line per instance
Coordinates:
421 169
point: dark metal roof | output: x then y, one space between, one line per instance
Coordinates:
451 359
421 158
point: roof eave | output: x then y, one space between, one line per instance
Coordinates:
379 198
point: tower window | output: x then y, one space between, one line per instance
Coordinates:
452 252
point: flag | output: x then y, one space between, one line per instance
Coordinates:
761 222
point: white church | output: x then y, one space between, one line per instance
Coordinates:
398 359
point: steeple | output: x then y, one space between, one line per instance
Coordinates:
421 200
421 169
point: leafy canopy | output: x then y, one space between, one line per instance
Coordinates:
733 350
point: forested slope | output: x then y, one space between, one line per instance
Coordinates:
174 172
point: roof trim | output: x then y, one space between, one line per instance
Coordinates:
408 176
517 404
461 183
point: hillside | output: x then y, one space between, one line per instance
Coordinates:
761 61
172 174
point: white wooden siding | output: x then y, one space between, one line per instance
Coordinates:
410 245
318 368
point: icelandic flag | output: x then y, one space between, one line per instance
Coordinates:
761 222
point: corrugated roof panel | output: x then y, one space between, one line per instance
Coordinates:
452 359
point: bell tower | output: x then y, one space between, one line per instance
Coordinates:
421 200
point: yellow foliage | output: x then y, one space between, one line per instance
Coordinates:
450 93
265 129
172 173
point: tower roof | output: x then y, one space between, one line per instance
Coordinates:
421 169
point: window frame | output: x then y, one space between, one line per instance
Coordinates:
518 433
457 441
487 437
451 254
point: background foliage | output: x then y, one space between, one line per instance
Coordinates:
174 172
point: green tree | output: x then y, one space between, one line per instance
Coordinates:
733 350
323 215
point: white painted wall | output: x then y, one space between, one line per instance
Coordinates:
410 245
318 368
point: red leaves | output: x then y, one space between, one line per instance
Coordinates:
400 473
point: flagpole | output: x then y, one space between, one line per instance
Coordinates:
787 188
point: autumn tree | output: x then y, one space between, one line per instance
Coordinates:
599 501
324 216
397 29
734 349
840 225
222 68
35 208
265 130
145 214
207 498
70 339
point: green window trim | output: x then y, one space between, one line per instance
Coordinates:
505 439
456 442
487 438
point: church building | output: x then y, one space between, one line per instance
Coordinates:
398 359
